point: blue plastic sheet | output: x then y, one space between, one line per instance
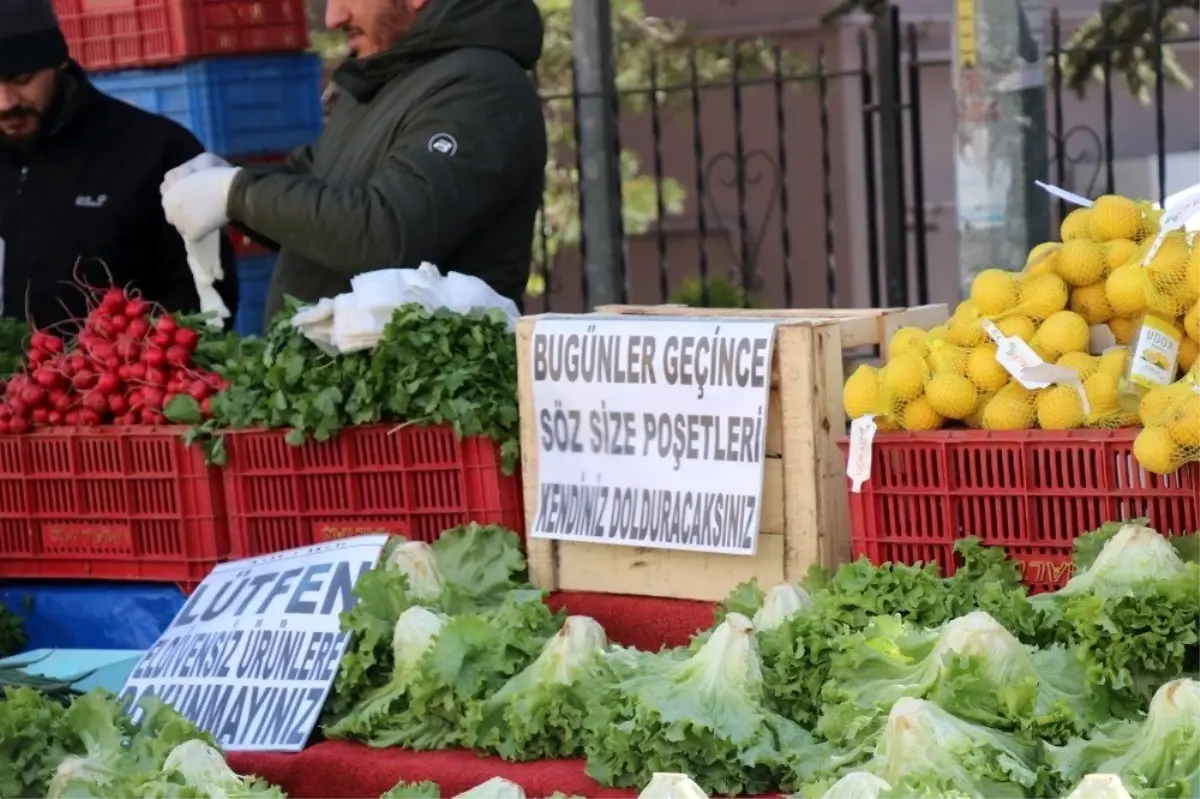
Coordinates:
91 615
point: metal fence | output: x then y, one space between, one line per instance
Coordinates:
719 212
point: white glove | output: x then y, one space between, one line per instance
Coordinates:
202 161
196 205
204 260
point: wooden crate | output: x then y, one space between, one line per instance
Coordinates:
805 515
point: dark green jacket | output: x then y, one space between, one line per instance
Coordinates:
434 151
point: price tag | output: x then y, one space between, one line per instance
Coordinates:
1016 356
1063 194
993 332
858 459
1048 373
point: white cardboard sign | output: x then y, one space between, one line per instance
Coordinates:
252 655
651 431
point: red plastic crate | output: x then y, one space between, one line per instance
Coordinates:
121 34
114 503
412 481
1030 491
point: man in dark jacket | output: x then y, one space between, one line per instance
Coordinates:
434 151
79 178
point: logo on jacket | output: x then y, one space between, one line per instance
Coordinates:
443 143
86 201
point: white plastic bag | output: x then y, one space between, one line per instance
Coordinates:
204 261
355 321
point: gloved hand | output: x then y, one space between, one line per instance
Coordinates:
202 161
196 205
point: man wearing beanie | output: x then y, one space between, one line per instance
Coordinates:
79 178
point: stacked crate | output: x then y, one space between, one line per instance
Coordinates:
234 72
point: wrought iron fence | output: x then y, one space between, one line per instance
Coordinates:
734 223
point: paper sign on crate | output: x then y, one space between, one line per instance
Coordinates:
252 655
651 431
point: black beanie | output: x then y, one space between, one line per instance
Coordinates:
30 39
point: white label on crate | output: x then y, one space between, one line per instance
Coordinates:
1062 375
651 431
252 655
858 458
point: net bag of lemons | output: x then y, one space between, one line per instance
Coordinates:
1170 434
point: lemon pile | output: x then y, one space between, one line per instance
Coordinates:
950 376
1170 436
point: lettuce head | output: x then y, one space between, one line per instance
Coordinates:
1158 758
672 786
540 713
970 666
1100 786
705 714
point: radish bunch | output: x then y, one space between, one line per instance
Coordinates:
123 367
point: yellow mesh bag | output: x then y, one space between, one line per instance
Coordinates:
1170 416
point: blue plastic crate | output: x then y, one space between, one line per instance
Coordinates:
235 106
254 278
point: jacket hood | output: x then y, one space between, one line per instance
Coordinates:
513 27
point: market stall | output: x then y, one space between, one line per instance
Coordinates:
576 553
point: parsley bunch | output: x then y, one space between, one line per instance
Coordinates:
430 368
12 345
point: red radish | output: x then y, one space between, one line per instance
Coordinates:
138 327
177 355
95 402
125 372
3 427
72 418
112 363
155 377
166 324
136 309
130 418
51 344
33 396
5 413
135 398
18 425
40 415
62 402
153 356
152 398
83 380
128 349
19 408
206 406
162 340
77 362
88 418
45 378
198 389
38 356
118 404
137 371
107 383
55 417
187 338
102 351
119 322
114 301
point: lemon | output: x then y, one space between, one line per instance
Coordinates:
1188 350
908 339
1080 262
984 370
1101 390
1114 217
964 329
1020 326
1041 295
1076 225
1081 362
937 333
1042 260
1184 425
1064 331
1091 303
860 395
1112 362
944 358
951 395
1192 276
904 377
1170 264
994 291
1122 329
975 420
1126 289
920 415
1012 408
1156 404
1059 408
1154 449
1191 322
1118 252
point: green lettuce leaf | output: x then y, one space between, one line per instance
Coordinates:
34 738
970 666
540 713
414 790
704 714
482 562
